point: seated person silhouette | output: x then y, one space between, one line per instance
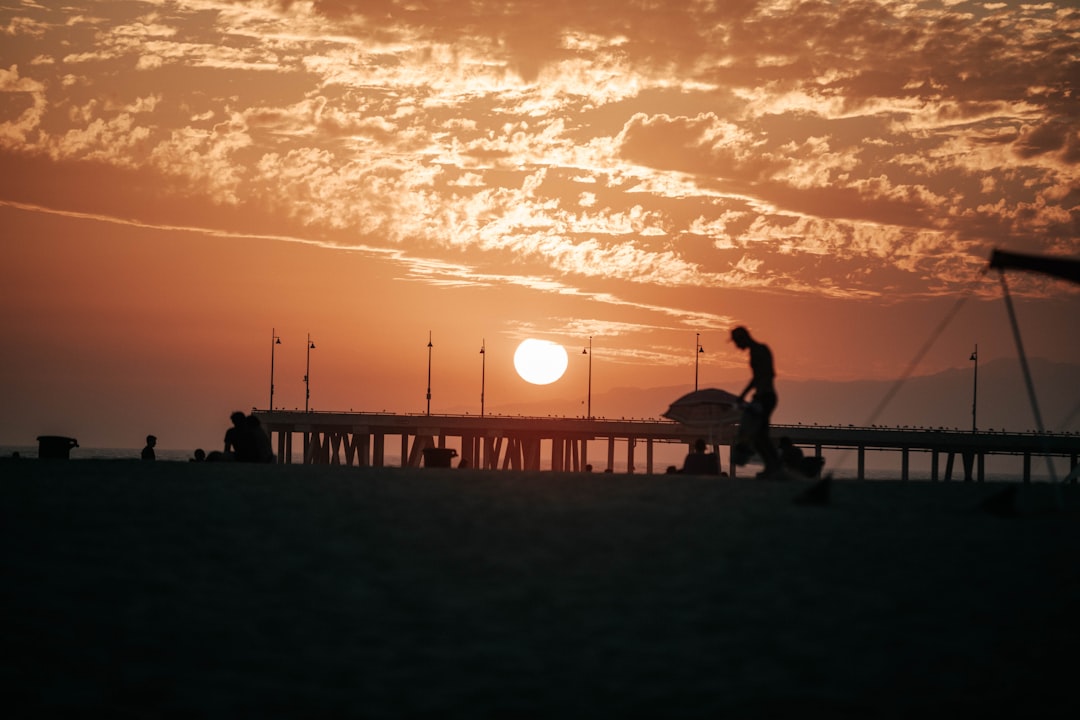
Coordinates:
700 462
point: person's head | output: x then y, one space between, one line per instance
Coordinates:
237 418
151 440
785 442
200 454
741 337
699 445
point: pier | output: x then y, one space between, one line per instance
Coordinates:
524 443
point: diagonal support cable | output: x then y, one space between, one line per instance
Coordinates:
1027 372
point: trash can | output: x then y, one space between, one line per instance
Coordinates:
55 447
439 457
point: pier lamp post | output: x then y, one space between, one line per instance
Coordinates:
483 368
429 346
307 374
588 395
975 388
698 350
274 340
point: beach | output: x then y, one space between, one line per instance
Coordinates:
176 589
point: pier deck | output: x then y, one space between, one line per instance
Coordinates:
519 443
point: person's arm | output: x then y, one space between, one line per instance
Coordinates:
749 386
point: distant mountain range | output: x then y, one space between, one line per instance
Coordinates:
940 400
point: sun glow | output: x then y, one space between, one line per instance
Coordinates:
540 362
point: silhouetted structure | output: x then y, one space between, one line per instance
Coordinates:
521 443
1060 267
55 447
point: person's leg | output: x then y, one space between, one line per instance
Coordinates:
762 442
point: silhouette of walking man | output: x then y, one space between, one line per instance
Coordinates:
761 382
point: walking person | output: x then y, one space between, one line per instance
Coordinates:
761 382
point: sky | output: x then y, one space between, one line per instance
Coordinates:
183 181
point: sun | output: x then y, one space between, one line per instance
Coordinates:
540 362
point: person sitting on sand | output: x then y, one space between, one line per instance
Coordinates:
234 439
260 449
246 441
699 462
200 456
148 451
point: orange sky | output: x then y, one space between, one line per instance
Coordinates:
179 178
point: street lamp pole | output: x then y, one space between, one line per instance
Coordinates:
307 374
483 369
429 346
588 396
274 340
975 388
698 350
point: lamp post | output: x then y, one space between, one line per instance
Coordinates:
698 350
307 373
429 346
274 340
483 368
975 387
588 396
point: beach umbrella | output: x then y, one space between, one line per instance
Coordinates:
707 409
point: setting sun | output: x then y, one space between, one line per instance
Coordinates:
540 362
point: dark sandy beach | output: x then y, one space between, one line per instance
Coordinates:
191 590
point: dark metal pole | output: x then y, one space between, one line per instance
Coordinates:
307 374
429 346
274 340
975 388
697 353
589 404
483 368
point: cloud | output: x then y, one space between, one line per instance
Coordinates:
799 138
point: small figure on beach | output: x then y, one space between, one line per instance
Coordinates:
699 462
148 451
200 456
764 400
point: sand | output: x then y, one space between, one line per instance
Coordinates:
221 591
